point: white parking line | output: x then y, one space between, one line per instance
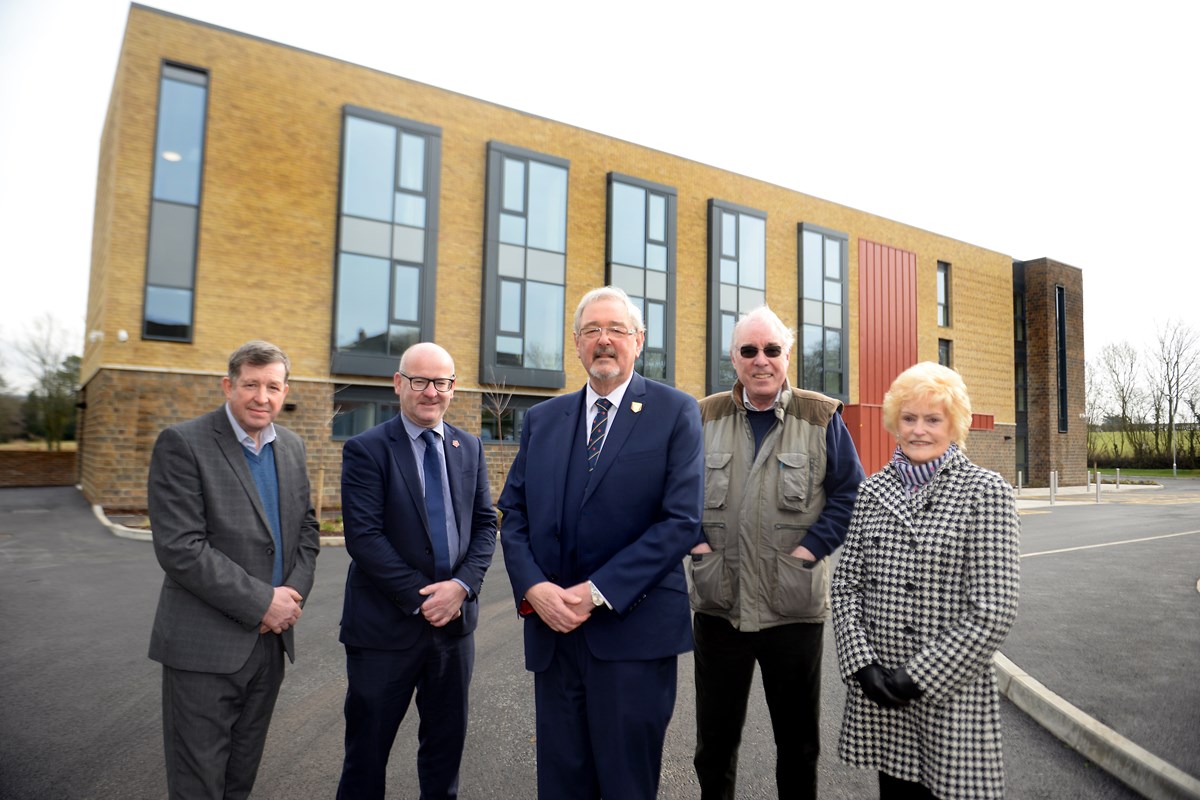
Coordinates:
1106 544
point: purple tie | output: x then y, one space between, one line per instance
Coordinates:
596 436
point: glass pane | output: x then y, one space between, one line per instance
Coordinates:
632 280
544 326
729 296
408 244
833 292
728 235
833 383
366 237
656 257
941 285
750 299
412 162
752 252
180 142
510 307
508 351
514 185
833 350
729 271
402 337
545 267
656 285
511 261
727 323
655 325
726 374
654 365
833 259
512 229
168 312
362 303
658 218
406 294
814 312
172 245
410 210
813 358
628 225
368 180
812 266
833 315
547 207
352 418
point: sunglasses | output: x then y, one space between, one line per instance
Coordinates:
770 351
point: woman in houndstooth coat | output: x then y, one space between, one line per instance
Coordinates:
923 595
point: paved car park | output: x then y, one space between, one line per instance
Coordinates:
1104 625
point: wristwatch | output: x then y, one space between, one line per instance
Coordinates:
597 598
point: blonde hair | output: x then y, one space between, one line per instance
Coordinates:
933 383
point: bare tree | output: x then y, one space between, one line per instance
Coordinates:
1120 370
1176 371
48 361
1093 409
496 398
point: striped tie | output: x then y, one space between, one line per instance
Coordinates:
596 437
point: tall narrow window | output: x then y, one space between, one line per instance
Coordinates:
943 294
387 240
525 266
1060 329
641 260
737 270
824 315
944 355
175 204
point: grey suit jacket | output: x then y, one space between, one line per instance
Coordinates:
214 543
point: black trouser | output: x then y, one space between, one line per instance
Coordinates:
790 659
896 789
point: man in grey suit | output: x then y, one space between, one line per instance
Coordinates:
236 535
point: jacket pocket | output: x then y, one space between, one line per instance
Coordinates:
708 585
803 587
716 479
793 481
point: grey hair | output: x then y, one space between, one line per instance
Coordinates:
610 293
785 335
257 353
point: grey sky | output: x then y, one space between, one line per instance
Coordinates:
1049 128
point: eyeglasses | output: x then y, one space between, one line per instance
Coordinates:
420 384
613 333
770 351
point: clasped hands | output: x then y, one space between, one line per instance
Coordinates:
888 688
444 602
283 612
563 610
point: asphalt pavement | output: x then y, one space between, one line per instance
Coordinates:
1109 620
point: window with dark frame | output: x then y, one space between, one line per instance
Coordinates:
824 315
525 258
943 294
505 426
944 353
737 269
641 260
169 301
359 408
387 240
1060 329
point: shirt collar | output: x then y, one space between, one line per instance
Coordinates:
246 440
414 430
615 396
750 406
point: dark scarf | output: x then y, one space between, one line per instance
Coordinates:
914 477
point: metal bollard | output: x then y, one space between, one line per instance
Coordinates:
1118 477
1053 485
1020 476
1097 485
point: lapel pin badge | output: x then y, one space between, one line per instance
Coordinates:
454 442
635 407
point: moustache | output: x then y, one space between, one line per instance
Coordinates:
610 351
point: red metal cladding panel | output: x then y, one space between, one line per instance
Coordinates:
874 443
887 317
983 422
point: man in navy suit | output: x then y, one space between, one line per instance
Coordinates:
602 503
421 530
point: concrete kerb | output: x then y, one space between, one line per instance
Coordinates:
1134 765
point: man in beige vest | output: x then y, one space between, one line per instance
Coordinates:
781 478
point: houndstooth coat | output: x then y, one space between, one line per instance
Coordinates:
929 583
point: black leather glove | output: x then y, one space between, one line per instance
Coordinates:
901 684
873 680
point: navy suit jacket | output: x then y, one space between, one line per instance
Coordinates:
639 516
387 534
